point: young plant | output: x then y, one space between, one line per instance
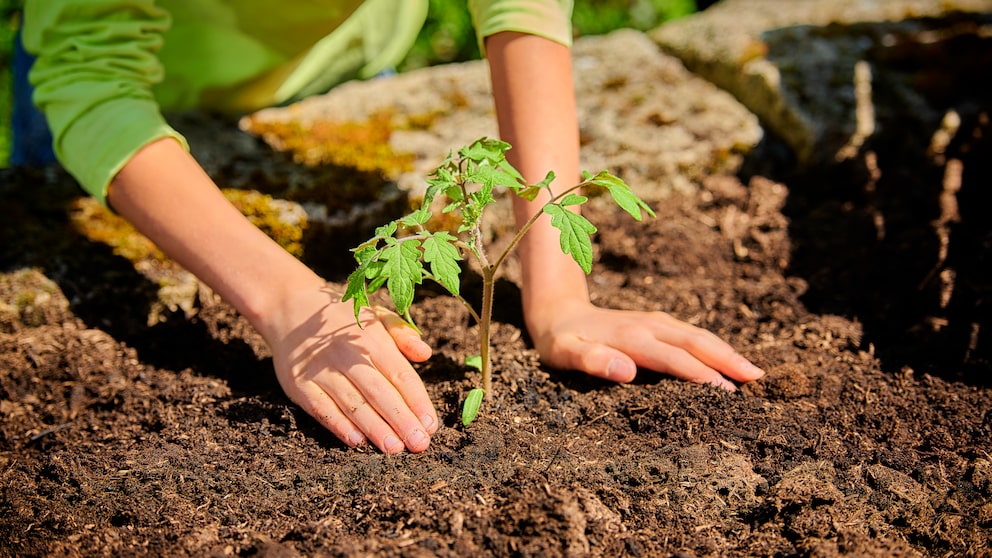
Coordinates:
404 252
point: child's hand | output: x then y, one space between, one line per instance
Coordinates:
356 382
611 344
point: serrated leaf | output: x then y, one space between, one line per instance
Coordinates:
418 217
440 180
531 192
470 409
356 291
491 176
357 288
575 234
621 194
443 258
485 149
482 198
403 271
385 231
470 215
454 193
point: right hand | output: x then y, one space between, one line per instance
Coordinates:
356 381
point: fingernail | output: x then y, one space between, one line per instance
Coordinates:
751 369
619 370
392 444
418 439
428 422
355 439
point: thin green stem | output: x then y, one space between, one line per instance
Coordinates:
530 223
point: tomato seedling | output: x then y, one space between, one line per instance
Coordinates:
404 252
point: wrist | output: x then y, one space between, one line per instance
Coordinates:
275 304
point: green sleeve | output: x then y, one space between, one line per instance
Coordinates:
551 19
95 68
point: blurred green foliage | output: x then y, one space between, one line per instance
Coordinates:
447 36
8 27
596 17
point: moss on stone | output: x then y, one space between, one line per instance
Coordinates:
97 223
283 221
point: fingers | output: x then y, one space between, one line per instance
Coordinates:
356 382
405 380
678 362
407 338
705 347
377 408
621 366
595 359
617 343
361 404
321 407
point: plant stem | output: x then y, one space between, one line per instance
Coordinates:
488 288
530 223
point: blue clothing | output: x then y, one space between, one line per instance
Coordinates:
31 138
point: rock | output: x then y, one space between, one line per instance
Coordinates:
30 299
802 66
641 114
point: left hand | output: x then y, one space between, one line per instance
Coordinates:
612 344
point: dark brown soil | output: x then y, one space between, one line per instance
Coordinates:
870 436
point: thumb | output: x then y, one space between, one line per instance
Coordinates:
407 338
595 359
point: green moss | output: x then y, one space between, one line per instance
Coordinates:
343 164
282 221
99 224
363 146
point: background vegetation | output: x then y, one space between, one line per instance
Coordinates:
8 26
447 36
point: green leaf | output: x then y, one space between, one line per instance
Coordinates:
482 198
506 167
385 231
377 280
530 193
418 217
470 216
575 234
357 289
470 409
475 361
441 179
621 194
573 199
443 256
403 271
485 149
491 176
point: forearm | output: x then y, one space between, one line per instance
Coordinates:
165 194
535 106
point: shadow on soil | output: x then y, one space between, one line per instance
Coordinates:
896 237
